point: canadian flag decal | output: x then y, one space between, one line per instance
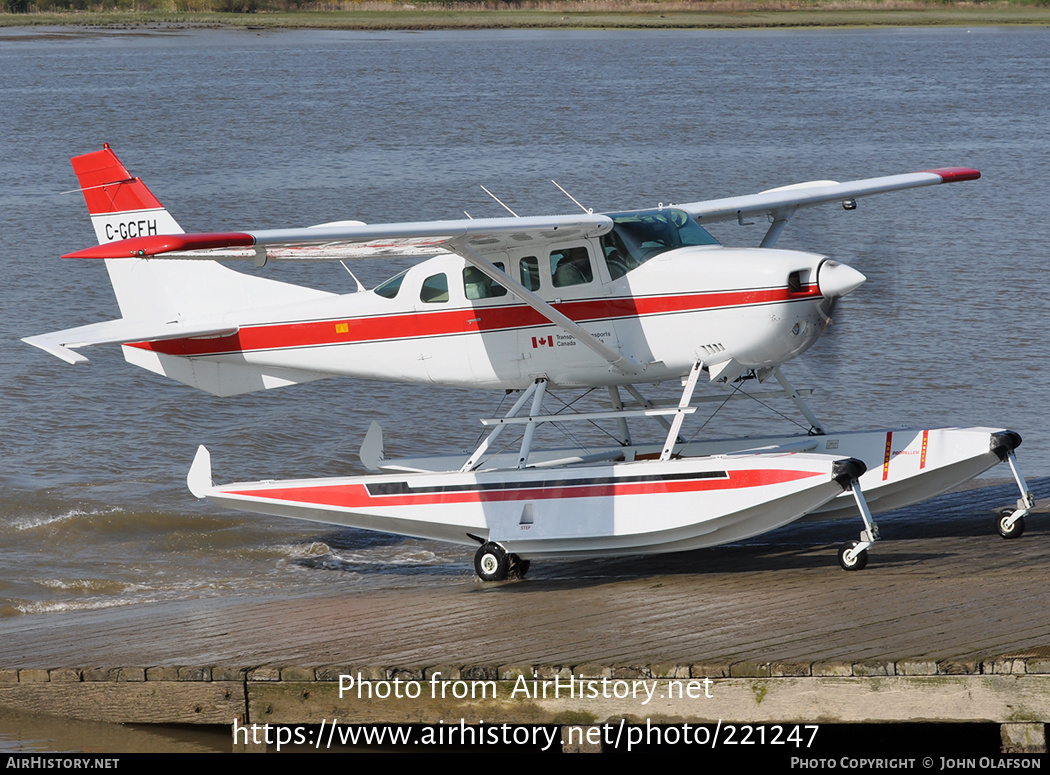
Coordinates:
543 341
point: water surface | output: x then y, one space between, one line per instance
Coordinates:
236 129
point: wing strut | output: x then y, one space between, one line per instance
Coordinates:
778 220
618 361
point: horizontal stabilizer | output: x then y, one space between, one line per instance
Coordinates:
151 245
62 343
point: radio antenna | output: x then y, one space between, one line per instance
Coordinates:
501 203
588 210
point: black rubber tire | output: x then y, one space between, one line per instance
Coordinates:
1016 531
859 562
491 562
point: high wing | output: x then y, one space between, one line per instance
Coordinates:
779 204
818 192
352 240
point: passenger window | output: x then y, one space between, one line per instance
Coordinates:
570 266
478 285
530 272
435 289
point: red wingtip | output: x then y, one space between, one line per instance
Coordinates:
955 174
157 244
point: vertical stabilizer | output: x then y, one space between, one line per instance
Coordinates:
165 291
121 206
158 296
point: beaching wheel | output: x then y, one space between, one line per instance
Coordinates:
858 562
518 567
1015 530
491 562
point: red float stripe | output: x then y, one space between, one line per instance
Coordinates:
356 496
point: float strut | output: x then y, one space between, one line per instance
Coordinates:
683 403
647 404
474 460
621 422
816 428
530 428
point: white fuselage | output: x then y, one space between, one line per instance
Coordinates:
734 309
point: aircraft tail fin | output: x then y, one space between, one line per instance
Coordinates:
121 206
175 291
171 298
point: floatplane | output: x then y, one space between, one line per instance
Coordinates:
529 305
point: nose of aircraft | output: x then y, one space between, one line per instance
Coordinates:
835 279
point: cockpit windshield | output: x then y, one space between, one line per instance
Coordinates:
638 236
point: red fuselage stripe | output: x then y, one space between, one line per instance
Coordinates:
460 321
356 496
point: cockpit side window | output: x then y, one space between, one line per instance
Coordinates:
571 266
617 257
478 285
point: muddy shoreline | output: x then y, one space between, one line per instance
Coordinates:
663 16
